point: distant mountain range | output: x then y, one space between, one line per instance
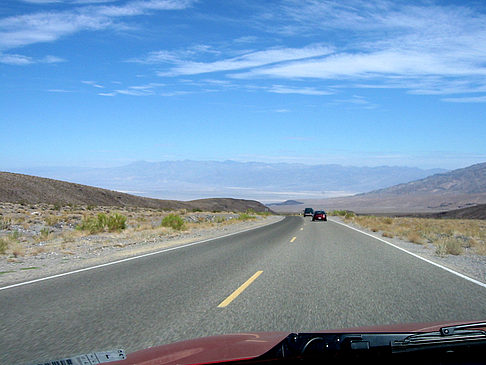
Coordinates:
251 180
440 192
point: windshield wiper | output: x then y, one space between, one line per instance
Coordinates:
452 336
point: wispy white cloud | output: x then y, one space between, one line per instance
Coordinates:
176 56
52 59
136 90
62 91
425 48
428 49
22 30
15 59
41 2
368 65
471 99
21 60
92 83
247 60
280 89
176 93
357 100
246 39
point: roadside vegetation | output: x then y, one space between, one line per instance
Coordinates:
31 229
249 214
173 221
103 222
447 236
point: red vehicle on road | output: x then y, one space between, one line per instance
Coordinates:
319 215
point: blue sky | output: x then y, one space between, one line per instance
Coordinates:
103 83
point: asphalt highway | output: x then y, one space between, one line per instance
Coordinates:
294 275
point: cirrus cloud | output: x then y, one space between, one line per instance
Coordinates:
22 30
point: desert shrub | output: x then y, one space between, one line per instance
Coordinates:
264 214
414 237
340 213
173 221
14 236
220 220
3 245
480 248
91 224
349 215
116 222
112 222
245 216
52 219
17 249
448 246
44 233
5 222
387 220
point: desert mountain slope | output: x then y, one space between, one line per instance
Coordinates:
475 212
468 180
19 188
456 189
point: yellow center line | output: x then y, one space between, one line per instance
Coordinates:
240 290
293 239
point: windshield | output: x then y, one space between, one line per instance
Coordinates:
163 163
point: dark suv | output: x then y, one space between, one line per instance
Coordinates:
308 212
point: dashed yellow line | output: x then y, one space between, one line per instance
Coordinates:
240 290
293 239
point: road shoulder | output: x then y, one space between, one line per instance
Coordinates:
49 264
470 265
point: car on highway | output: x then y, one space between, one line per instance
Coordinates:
319 215
308 212
425 343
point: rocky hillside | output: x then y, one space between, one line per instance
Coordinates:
468 180
19 188
475 212
457 189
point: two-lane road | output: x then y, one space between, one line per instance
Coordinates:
294 275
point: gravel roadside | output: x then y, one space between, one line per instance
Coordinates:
468 264
96 250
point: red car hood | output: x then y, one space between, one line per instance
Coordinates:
243 346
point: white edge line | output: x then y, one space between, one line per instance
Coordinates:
417 256
129 258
